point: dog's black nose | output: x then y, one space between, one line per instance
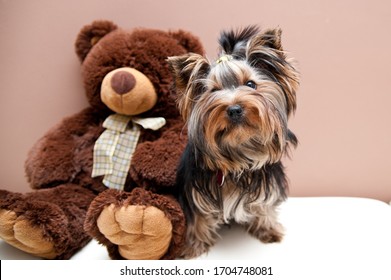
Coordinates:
235 112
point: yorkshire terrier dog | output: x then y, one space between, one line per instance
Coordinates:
237 111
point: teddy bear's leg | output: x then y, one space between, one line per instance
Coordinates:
137 224
46 223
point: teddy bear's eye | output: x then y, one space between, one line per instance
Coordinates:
251 84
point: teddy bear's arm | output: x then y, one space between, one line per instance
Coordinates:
154 163
53 160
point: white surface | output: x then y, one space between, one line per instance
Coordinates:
324 235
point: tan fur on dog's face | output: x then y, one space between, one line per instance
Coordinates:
262 125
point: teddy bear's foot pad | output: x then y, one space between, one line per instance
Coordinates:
141 232
19 233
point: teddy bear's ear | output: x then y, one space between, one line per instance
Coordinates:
90 34
190 42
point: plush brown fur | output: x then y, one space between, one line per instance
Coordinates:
59 165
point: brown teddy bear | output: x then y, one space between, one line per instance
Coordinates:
109 171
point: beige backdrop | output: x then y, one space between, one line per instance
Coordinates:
343 50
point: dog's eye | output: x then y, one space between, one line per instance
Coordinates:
251 84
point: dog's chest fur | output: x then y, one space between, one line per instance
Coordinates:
235 206
240 207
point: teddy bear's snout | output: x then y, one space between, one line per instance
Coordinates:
123 82
128 91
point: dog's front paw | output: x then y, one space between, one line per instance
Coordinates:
270 234
140 232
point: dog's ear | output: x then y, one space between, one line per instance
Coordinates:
271 38
189 70
265 53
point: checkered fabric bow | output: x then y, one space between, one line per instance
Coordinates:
114 148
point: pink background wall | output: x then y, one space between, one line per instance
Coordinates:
342 48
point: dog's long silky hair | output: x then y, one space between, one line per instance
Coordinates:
236 111
197 184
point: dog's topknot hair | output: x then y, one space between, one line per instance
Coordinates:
233 42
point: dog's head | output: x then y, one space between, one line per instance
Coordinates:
237 108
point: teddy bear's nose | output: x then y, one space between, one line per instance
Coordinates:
122 82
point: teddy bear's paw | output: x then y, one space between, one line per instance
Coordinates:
18 232
141 232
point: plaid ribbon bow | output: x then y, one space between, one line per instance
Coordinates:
114 148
